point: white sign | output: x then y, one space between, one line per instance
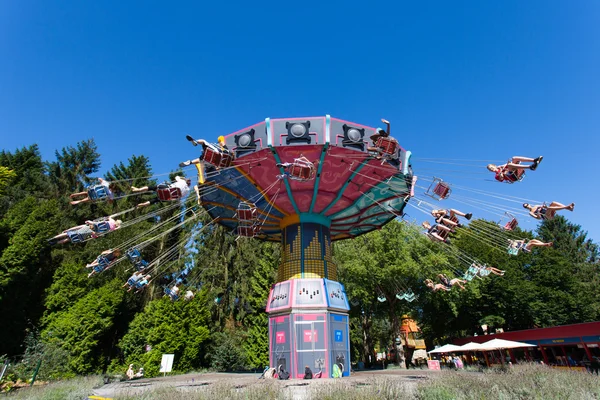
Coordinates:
166 364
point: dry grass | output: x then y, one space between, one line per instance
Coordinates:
72 389
519 382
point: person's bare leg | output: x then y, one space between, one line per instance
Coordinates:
437 237
75 202
458 282
61 236
78 194
513 166
190 162
454 212
144 204
537 243
140 189
518 159
448 222
559 206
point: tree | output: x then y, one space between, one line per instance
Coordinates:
70 172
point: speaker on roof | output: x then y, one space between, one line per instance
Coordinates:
353 137
244 143
298 132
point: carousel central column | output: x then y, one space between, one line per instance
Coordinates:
307 307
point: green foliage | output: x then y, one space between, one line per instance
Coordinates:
6 177
180 328
50 357
86 324
73 165
227 352
25 268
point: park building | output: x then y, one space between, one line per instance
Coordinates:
567 346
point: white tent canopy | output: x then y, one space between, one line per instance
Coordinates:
447 348
472 347
496 344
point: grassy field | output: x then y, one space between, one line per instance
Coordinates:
519 382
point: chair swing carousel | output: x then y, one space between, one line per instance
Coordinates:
304 183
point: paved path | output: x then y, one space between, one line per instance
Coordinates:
297 388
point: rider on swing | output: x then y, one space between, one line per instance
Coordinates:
513 169
166 191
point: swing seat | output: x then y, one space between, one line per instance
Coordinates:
410 298
438 189
468 276
512 251
387 145
171 294
511 225
99 268
473 270
141 284
102 227
97 192
302 170
131 282
168 193
247 212
134 255
401 296
141 265
76 237
442 190
513 176
381 299
248 230
217 158
103 262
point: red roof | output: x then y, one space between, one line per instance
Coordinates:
554 332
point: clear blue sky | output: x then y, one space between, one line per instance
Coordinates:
461 80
